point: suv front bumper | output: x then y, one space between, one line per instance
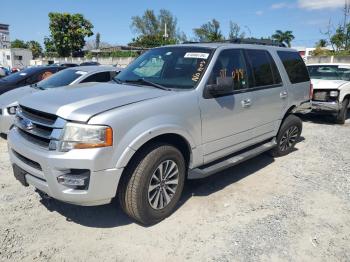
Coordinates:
326 106
43 167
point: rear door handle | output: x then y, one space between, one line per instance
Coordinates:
284 94
246 102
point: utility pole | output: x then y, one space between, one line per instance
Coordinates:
165 32
345 29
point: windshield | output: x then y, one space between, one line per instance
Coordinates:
62 78
330 72
21 75
170 67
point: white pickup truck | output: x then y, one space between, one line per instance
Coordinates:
331 89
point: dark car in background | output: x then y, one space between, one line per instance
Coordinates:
27 76
90 63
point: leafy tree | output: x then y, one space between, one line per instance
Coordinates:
35 47
283 37
18 44
98 40
209 32
321 43
235 31
150 41
150 29
68 32
339 39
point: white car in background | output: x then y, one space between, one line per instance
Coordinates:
331 89
69 76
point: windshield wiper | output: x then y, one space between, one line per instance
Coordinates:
117 80
149 83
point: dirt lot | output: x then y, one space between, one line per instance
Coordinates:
295 208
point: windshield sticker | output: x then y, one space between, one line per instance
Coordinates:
80 72
23 74
197 75
197 55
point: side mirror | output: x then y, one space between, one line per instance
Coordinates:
223 86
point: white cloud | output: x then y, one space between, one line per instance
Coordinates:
320 4
259 12
281 5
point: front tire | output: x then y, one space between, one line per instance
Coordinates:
343 113
153 184
287 136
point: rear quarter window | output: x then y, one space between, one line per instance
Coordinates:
295 66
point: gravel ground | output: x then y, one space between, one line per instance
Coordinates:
295 208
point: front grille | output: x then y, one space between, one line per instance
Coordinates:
323 96
38 127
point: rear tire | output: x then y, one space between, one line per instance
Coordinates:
343 113
153 184
287 136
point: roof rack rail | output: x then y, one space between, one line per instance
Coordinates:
251 41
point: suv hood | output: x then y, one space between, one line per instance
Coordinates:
81 102
328 84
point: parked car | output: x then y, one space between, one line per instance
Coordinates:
25 77
331 85
4 72
69 76
178 112
91 63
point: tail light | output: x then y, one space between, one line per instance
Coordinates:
311 94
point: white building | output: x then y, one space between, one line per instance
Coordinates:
4 36
15 57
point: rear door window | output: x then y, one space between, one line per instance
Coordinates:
98 77
264 69
295 66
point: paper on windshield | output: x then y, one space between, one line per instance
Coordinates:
197 55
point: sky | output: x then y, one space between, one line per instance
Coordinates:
28 19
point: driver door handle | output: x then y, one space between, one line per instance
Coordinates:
246 102
284 94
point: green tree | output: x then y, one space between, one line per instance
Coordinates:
68 32
209 32
36 48
235 31
97 40
150 29
150 41
283 37
339 39
321 43
18 44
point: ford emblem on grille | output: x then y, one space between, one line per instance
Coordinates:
27 124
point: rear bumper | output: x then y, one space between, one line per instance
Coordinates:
6 121
303 108
331 107
48 165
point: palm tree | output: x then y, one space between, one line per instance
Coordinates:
283 37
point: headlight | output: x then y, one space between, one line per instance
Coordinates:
12 110
333 93
79 136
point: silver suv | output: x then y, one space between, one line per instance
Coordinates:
176 113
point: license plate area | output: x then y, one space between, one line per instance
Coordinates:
20 175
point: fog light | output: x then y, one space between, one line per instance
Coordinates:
333 93
74 181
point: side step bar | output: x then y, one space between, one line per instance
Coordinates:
208 170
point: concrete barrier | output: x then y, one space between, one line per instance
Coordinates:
328 59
